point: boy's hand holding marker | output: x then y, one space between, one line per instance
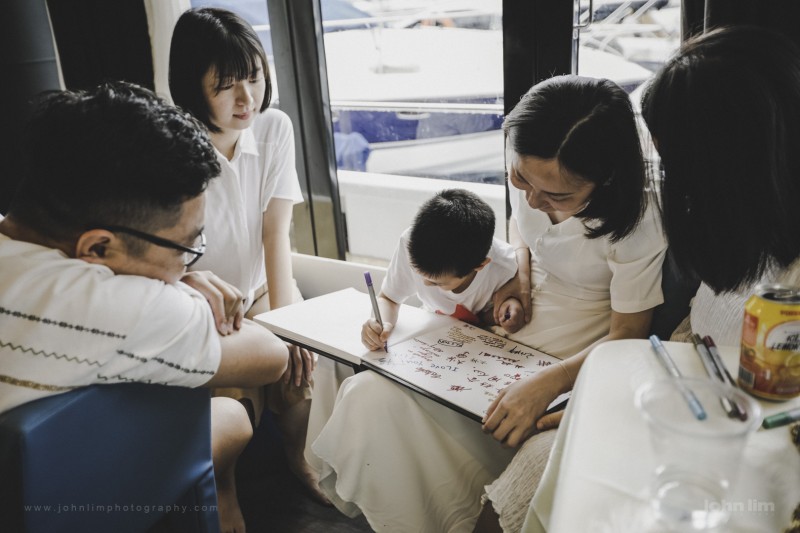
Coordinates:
512 315
374 336
375 330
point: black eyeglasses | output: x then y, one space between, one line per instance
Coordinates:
190 255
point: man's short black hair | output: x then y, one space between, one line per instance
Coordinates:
118 155
452 234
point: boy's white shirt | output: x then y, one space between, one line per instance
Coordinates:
402 281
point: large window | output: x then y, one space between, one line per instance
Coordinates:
628 41
418 90
416 98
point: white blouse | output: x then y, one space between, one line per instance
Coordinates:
262 168
627 272
577 282
403 281
721 315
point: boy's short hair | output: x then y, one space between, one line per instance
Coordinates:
117 155
452 234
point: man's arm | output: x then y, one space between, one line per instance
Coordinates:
251 357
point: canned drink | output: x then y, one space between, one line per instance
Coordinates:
769 363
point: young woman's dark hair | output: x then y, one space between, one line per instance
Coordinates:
211 37
451 234
725 116
589 127
117 155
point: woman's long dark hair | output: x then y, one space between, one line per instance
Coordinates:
589 126
725 116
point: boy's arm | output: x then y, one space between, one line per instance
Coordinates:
390 310
251 357
519 286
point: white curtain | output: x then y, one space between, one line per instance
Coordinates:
161 18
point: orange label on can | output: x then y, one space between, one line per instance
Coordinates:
749 329
769 363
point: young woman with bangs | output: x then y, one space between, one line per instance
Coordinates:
218 71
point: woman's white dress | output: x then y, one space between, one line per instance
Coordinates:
410 464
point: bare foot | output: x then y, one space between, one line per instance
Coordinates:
293 424
307 476
230 514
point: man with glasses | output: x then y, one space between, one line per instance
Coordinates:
93 257
190 255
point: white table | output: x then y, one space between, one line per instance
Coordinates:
601 463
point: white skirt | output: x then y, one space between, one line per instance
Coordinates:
411 464
406 462
563 326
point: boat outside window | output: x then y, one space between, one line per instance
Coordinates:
416 93
627 41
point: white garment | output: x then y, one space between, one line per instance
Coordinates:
410 464
262 168
402 281
66 323
721 315
576 281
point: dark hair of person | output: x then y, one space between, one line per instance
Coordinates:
724 113
589 127
117 155
451 234
211 37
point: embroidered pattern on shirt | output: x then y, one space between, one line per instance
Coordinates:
31 351
120 377
60 323
31 384
166 363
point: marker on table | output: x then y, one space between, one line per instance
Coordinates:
705 357
375 309
781 419
669 364
736 411
716 374
723 370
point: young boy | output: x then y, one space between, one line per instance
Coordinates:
450 259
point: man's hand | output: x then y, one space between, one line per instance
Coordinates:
225 299
301 365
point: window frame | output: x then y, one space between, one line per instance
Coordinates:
537 44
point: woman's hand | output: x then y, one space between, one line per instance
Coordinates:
301 365
550 421
225 299
512 416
